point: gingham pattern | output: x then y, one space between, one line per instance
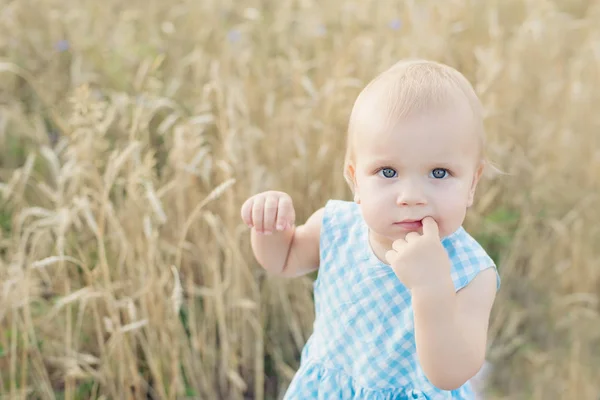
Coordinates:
363 343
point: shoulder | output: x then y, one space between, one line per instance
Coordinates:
464 250
334 213
341 220
468 258
341 205
340 212
311 229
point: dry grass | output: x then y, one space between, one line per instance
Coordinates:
131 132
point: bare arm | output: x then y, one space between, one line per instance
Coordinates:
292 253
451 329
287 251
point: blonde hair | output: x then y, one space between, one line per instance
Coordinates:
407 88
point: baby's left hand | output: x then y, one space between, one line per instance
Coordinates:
421 260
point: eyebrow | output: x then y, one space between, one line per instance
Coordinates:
447 164
436 164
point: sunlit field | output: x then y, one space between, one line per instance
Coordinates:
131 132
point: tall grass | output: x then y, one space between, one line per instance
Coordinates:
131 132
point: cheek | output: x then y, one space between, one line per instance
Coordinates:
451 208
372 205
368 188
373 198
376 185
375 195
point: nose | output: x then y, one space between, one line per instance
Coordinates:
411 194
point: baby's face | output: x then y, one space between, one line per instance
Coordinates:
427 166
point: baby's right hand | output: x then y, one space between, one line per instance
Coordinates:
268 212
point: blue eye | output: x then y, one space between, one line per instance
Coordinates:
388 172
439 173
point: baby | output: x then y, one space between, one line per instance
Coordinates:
403 293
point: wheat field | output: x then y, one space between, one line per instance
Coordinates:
131 133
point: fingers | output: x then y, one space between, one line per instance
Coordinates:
391 256
411 236
286 215
268 212
398 244
430 227
247 212
258 210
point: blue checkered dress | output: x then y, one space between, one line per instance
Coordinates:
363 344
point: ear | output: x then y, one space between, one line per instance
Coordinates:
476 177
351 177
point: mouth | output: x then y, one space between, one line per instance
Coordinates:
409 224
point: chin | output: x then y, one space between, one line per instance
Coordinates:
448 232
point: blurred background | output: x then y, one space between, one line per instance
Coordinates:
131 132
